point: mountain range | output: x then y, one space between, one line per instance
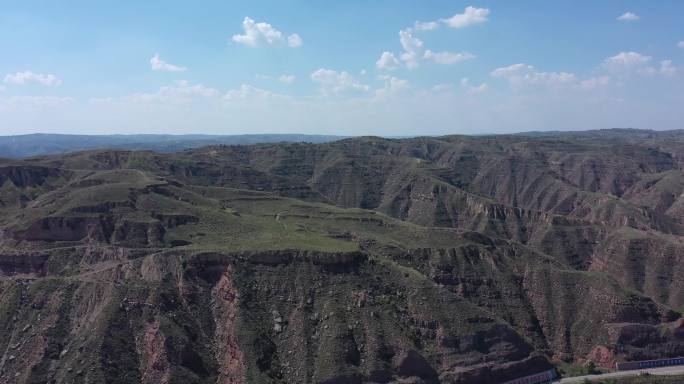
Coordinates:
454 259
21 146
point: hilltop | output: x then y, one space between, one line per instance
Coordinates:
22 146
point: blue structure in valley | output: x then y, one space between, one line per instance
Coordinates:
631 365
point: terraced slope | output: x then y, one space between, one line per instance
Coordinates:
433 260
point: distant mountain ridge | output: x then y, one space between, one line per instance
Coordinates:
41 144
38 144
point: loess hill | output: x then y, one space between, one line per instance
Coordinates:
427 260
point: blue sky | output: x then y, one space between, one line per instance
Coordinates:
381 67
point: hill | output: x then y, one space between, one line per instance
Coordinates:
452 259
21 146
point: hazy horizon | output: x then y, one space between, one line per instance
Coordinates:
267 133
386 68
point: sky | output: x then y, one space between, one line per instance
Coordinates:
354 67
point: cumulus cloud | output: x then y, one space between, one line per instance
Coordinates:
387 61
470 16
27 77
465 83
628 16
415 52
255 32
332 82
629 63
258 33
287 79
681 44
294 40
524 74
626 59
162 66
616 68
413 48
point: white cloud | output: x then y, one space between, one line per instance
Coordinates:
162 66
413 48
26 77
392 86
182 95
425 25
411 112
667 69
415 52
681 44
248 92
387 61
332 81
595 82
447 57
628 63
524 74
618 67
294 40
470 16
2 88
287 79
465 83
628 16
511 70
180 92
257 33
627 59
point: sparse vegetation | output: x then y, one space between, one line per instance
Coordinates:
451 259
570 370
